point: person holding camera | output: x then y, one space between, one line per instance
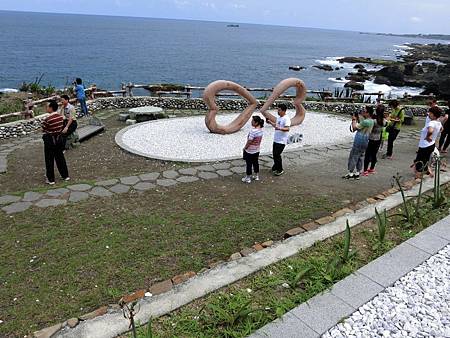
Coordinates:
81 96
396 119
280 138
363 125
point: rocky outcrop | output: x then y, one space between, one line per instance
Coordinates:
326 68
354 85
394 74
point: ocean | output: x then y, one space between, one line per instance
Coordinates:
109 50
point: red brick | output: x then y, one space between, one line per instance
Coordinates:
380 197
267 244
325 220
293 232
183 277
235 256
258 247
247 251
99 312
342 212
133 296
161 287
310 226
371 200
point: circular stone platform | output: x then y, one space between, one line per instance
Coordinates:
146 113
188 139
145 110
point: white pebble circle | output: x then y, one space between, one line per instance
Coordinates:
188 140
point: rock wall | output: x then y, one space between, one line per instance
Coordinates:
24 127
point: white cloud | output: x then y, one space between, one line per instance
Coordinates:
415 19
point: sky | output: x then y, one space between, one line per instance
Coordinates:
386 16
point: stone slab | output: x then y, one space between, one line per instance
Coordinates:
77 196
143 186
149 176
188 171
428 242
207 175
7 199
31 196
206 167
107 183
288 326
356 289
166 182
385 270
120 188
130 180
187 179
16 207
50 202
224 172
57 192
441 228
100 192
170 174
238 170
80 187
323 311
224 165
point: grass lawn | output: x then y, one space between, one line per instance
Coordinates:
59 263
251 303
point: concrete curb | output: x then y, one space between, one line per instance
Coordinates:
322 312
112 323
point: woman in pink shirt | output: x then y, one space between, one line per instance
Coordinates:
251 149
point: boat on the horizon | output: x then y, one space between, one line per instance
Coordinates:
233 25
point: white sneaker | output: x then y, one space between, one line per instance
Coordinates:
67 179
49 183
247 179
255 177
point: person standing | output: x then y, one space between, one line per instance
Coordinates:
280 139
252 148
81 96
375 139
363 125
52 127
444 141
396 119
70 118
427 142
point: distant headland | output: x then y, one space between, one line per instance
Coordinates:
423 36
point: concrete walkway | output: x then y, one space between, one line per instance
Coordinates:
323 312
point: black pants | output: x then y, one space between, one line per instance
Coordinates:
423 157
444 140
73 126
252 163
53 152
277 160
371 154
393 133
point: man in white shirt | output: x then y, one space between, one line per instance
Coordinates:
280 139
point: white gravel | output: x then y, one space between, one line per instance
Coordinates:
418 305
188 139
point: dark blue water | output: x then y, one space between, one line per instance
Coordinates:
110 50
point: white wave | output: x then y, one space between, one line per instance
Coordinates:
8 90
404 46
371 87
331 61
340 80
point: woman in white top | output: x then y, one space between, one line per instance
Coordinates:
427 141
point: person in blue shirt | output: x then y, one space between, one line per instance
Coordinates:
81 96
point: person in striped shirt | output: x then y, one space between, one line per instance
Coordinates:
52 127
251 149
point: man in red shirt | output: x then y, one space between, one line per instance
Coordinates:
52 127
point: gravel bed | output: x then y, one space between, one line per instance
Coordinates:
417 305
187 139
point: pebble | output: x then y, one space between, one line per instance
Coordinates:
417 305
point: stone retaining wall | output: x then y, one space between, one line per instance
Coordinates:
24 127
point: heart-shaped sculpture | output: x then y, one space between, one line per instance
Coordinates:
299 98
209 97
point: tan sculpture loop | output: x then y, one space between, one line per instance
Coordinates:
209 96
299 98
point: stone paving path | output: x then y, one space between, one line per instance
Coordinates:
302 157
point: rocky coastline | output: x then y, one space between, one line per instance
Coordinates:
423 66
